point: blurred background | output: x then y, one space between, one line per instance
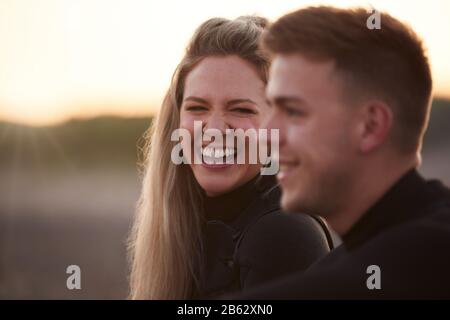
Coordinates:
80 81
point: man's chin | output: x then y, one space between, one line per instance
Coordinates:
290 203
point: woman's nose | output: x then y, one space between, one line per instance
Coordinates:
216 121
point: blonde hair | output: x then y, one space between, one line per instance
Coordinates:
165 241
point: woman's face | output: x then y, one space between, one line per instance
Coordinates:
224 93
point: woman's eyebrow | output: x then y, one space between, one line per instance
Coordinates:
237 101
196 99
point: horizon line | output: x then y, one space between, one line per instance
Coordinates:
72 118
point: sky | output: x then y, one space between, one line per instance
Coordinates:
61 59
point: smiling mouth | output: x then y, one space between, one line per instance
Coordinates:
218 157
285 170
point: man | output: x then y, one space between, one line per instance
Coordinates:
352 105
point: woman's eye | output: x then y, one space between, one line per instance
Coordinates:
196 108
244 110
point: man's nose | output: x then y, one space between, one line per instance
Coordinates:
274 121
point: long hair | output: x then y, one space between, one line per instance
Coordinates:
164 244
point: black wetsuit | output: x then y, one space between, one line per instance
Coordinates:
249 241
406 234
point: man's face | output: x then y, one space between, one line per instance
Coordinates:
318 151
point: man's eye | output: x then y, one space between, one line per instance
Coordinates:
293 112
244 110
196 108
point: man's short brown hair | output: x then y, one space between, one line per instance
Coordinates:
387 63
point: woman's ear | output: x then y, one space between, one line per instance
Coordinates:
375 126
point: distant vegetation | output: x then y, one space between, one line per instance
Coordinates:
109 141
104 141
438 133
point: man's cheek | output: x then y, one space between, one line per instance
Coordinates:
295 139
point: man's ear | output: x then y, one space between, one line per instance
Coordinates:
376 123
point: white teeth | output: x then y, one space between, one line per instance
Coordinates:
207 152
218 153
229 152
215 154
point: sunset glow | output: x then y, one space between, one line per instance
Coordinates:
81 58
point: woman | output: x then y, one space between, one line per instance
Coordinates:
207 229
